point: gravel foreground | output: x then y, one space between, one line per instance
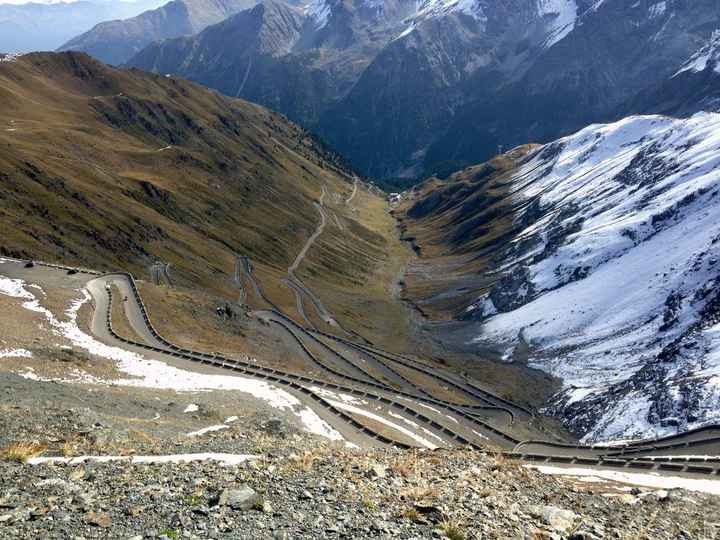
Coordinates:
328 492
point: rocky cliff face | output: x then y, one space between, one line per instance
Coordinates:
595 258
116 41
403 87
616 50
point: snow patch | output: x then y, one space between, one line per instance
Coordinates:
439 8
708 54
319 11
15 353
651 480
224 459
156 374
11 57
208 429
561 16
362 412
345 398
657 10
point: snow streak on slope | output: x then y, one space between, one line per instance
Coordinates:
319 11
613 284
439 8
562 15
707 55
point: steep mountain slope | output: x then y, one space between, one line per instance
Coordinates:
296 60
117 169
616 50
34 26
252 67
595 258
116 41
392 84
450 53
692 88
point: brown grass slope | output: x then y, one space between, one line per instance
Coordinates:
113 169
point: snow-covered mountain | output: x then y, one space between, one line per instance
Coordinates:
391 83
599 263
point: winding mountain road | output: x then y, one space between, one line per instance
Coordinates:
469 424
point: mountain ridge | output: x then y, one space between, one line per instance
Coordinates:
501 75
114 42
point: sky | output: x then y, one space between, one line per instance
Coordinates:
16 2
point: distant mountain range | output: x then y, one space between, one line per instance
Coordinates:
116 41
404 87
44 27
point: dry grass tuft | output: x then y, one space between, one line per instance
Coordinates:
413 515
502 463
452 530
21 452
306 461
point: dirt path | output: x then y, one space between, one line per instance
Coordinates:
354 191
323 220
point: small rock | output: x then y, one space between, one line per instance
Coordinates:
306 495
134 510
628 499
242 498
376 471
583 535
77 474
659 495
433 514
85 500
274 426
98 519
557 518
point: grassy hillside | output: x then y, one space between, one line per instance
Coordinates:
116 169
112 168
